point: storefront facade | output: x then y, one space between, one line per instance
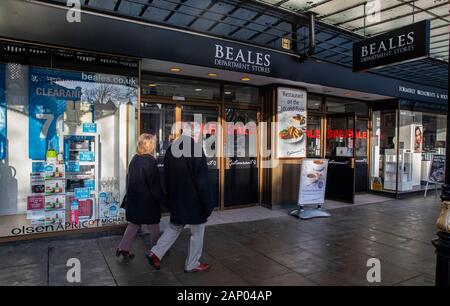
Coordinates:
72 107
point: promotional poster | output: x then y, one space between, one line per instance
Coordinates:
313 181
291 126
437 169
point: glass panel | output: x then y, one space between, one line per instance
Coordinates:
242 94
170 87
421 136
313 134
69 137
339 105
340 136
158 119
361 137
204 120
314 102
383 166
241 174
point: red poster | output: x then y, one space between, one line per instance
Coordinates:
35 202
85 208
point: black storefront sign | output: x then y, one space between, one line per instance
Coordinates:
340 180
404 44
153 42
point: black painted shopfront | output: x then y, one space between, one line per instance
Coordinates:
361 122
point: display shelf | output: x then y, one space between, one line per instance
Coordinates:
402 170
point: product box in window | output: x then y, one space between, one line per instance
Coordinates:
54 187
36 217
55 171
84 209
35 203
55 202
109 206
56 218
37 183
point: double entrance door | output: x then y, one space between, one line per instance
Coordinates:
229 138
346 148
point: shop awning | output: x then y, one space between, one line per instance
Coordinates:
266 22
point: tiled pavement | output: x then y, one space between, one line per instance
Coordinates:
277 251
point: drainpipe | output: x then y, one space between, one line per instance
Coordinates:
312 37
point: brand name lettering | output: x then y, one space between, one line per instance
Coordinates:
242 59
388 47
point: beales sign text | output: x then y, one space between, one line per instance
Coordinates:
400 45
246 60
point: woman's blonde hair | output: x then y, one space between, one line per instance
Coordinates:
146 144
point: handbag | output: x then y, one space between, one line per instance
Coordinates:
124 200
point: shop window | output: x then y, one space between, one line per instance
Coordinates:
421 137
314 135
180 88
241 94
384 161
314 102
340 105
158 120
66 137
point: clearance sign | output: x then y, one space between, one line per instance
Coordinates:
401 45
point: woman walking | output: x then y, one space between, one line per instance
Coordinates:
144 195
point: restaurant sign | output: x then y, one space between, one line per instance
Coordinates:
404 44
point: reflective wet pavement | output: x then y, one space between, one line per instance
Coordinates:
275 251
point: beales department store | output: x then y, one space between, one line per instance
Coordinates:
75 96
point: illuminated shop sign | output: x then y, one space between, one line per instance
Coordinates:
333 134
407 43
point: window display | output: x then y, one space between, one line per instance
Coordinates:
69 163
424 135
384 151
408 157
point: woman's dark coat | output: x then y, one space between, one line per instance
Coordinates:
144 193
187 185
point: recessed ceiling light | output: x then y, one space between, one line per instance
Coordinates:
228 92
152 85
245 79
212 74
316 104
175 69
198 89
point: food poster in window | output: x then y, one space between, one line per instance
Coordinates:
291 123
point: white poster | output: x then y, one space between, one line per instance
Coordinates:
313 181
291 123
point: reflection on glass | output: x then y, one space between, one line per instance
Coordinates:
340 136
158 119
361 137
169 87
241 174
241 94
383 168
314 130
422 136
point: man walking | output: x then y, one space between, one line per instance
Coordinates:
189 199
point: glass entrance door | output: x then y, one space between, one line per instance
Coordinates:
361 155
340 151
205 130
241 166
